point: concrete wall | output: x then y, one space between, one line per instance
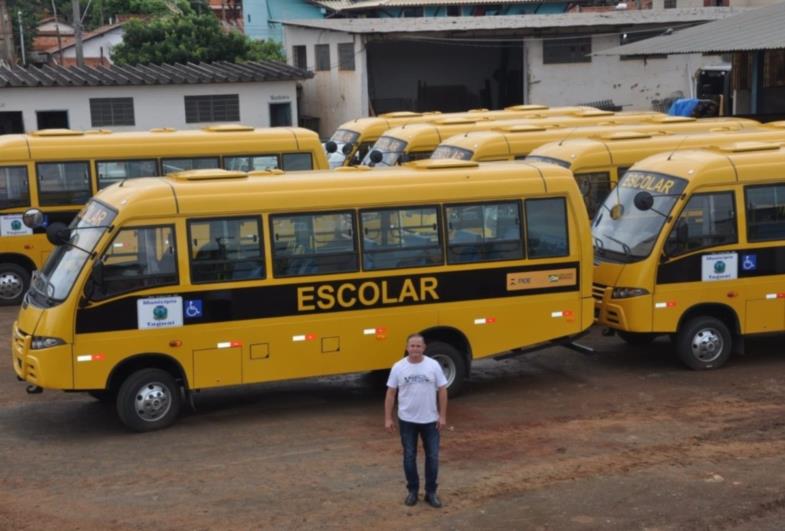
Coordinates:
334 96
154 106
631 83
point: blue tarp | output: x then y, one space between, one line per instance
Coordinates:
683 107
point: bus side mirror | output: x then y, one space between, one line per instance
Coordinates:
643 201
347 149
376 156
330 146
58 234
33 218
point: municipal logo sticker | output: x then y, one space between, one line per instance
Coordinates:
159 312
720 266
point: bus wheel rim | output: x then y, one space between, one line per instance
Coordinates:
707 344
447 365
11 285
152 401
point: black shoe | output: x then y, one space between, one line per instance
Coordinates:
433 500
411 499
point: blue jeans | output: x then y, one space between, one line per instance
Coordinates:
430 442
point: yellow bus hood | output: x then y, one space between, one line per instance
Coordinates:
607 273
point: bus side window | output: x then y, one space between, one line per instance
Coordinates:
251 163
138 258
546 228
401 237
484 232
706 221
63 183
314 244
297 162
14 187
185 164
110 172
225 249
765 212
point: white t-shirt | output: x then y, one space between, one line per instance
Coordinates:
417 384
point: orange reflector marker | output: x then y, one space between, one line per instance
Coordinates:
99 357
310 337
176 343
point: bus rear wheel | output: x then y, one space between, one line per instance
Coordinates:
704 343
14 281
452 365
149 399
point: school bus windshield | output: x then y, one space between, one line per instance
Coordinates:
630 237
391 149
341 137
452 152
52 284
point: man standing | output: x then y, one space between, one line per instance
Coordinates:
418 379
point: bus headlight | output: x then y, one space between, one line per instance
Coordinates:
626 293
39 342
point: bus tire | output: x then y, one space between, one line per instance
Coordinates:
14 281
636 338
452 364
704 343
149 399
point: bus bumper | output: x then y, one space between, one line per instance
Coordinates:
46 368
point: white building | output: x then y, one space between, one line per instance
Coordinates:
128 98
369 66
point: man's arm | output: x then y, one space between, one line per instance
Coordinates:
442 396
389 403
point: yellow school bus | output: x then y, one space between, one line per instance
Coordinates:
517 141
689 244
351 142
599 162
418 141
209 278
57 171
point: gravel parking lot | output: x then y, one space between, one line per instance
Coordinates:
624 439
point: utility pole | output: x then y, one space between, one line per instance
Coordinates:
21 37
77 16
57 28
7 48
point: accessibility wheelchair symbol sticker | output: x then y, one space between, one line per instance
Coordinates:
749 262
192 308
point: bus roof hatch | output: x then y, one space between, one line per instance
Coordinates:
208 174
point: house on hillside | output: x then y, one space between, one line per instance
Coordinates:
54 44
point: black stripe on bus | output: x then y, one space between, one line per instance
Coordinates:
222 305
769 261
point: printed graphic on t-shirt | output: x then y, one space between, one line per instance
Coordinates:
416 379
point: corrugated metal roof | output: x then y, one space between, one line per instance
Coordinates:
513 22
758 29
166 74
349 5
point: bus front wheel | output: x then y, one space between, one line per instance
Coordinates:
452 365
149 399
704 343
14 281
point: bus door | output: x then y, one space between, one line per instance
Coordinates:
701 259
134 305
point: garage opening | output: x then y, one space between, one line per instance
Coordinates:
447 77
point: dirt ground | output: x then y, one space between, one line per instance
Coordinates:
624 439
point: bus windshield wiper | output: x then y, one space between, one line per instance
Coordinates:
624 246
599 246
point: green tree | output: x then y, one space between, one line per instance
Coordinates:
189 37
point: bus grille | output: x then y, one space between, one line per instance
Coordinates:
612 316
598 291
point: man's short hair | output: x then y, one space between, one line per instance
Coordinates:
416 334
